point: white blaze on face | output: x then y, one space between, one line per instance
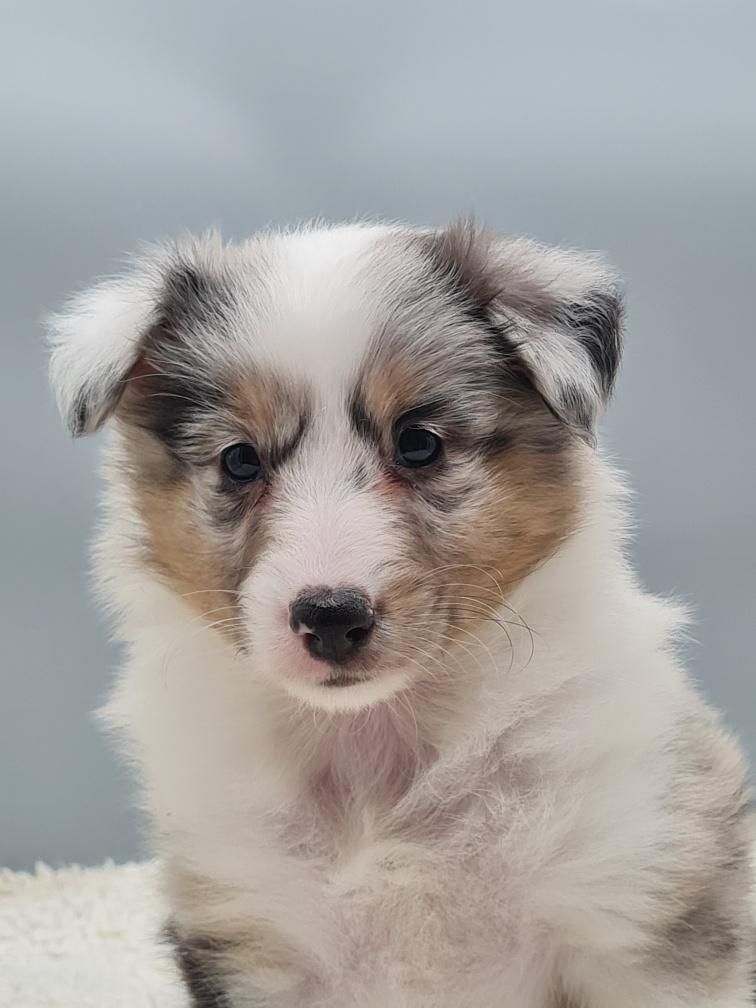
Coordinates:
324 531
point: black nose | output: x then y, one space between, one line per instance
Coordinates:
334 623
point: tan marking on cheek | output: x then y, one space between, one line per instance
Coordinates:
199 564
527 509
457 568
183 556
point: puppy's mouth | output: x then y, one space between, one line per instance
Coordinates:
340 680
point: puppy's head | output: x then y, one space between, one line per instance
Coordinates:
343 447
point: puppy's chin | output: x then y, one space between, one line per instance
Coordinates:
337 692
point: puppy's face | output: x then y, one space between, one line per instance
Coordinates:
344 447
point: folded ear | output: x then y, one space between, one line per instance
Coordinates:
560 311
102 336
95 342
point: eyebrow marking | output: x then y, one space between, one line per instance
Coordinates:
363 423
431 410
367 427
280 453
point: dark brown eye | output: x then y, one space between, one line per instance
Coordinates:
241 463
416 447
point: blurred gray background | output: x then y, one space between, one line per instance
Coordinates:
624 125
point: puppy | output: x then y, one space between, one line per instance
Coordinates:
410 733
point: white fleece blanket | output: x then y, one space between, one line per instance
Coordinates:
84 938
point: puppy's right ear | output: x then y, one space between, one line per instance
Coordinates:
121 327
96 342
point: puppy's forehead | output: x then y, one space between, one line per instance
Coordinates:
359 310
319 303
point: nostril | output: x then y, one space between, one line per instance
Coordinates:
358 634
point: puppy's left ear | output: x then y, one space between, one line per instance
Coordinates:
556 312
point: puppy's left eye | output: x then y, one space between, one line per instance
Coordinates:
416 447
241 463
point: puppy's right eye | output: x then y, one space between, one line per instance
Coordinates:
241 463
